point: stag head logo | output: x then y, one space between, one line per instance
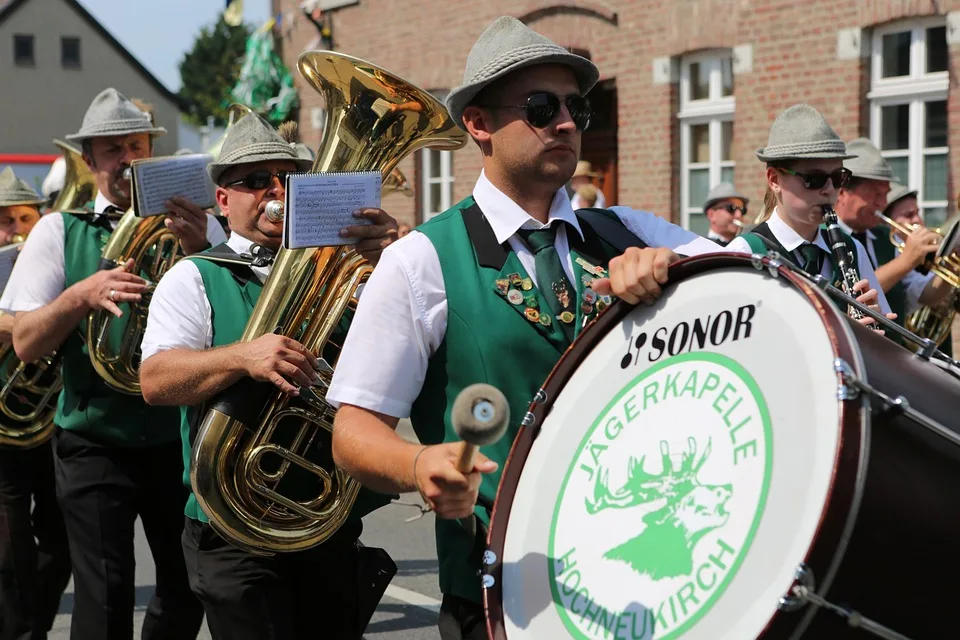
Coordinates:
687 511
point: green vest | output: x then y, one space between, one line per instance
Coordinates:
491 340
232 300
757 245
86 403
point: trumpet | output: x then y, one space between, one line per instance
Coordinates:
946 266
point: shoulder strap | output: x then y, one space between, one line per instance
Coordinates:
223 255
606 224
757 243
762 240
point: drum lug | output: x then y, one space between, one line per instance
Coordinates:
772 262
846 390
489 558
540 397
528 420
803 576
488 581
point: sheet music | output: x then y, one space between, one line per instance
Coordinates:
158 179
8 256
319 205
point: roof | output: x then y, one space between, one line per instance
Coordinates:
8 7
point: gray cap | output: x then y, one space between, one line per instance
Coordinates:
113 114
15 191
868 163
723 191
506 46
802 132
253 139
898 192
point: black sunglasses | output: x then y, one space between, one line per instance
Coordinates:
260 179
732 208
543 107
839 178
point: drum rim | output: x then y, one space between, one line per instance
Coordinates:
842 501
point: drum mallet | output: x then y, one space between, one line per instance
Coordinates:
480 417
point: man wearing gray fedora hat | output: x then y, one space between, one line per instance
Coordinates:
858 204
34 555
804 170
115 458
192 351
494 289
725 208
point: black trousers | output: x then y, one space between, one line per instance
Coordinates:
102 489
287 596
34 556
461 619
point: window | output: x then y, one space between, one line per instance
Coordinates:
908 109
23 50
706 132
436 171
70 52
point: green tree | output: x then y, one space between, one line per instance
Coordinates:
209 71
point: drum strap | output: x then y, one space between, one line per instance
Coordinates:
608 228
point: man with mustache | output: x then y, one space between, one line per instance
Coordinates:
115 458
191 353
492 290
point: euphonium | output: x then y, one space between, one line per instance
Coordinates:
114 343
79 186
238 457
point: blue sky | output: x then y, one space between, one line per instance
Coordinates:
160 33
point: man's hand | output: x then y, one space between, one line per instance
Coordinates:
374 237
280 360
448 492
636 275
189 223
106 289
919 244
870 299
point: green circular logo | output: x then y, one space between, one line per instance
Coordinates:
661 501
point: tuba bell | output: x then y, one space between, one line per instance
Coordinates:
253 435
79 186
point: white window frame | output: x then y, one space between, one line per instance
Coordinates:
914 90
445 178
713 111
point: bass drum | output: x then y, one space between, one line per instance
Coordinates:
688 464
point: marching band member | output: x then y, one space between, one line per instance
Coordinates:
724 208
804 158
190 353
492 290
115 458
34 556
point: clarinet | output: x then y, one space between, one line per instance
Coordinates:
844 261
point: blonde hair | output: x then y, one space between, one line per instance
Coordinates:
588 194
770 199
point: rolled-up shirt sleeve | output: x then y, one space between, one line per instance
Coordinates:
400 322
179 316
39 275
659 232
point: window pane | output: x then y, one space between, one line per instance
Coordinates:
895 127
935 177
936 49
699 187
434 163
726 73
699 81
435 196
700 143
699 224
726 174
900 169
936 133
934 217
896 55
22 49
726 138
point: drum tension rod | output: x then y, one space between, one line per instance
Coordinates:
853 618
852 386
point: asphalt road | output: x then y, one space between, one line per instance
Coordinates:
407 612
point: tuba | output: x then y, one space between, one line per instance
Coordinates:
396 182
253 435
79 186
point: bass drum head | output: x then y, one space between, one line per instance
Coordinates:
682 473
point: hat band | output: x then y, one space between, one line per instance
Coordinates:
806 148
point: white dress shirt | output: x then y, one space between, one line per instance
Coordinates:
791 241
402 317
713 235
577 203
180 316
39 275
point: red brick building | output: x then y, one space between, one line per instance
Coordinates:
689 87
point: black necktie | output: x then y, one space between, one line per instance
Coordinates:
862 237
262 257
551 276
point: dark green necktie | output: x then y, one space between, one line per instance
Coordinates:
811 256
552 280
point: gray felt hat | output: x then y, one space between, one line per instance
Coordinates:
723 191
802 132
506 46
113 114
15 191
898 192
253 139
869 163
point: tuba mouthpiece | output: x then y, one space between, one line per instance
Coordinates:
274 210
127 173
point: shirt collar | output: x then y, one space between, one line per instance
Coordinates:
713 235
100 203
242 246
506 217
789 238
849 231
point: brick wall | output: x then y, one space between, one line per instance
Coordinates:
794 59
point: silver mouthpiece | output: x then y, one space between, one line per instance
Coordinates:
127 173
274 210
